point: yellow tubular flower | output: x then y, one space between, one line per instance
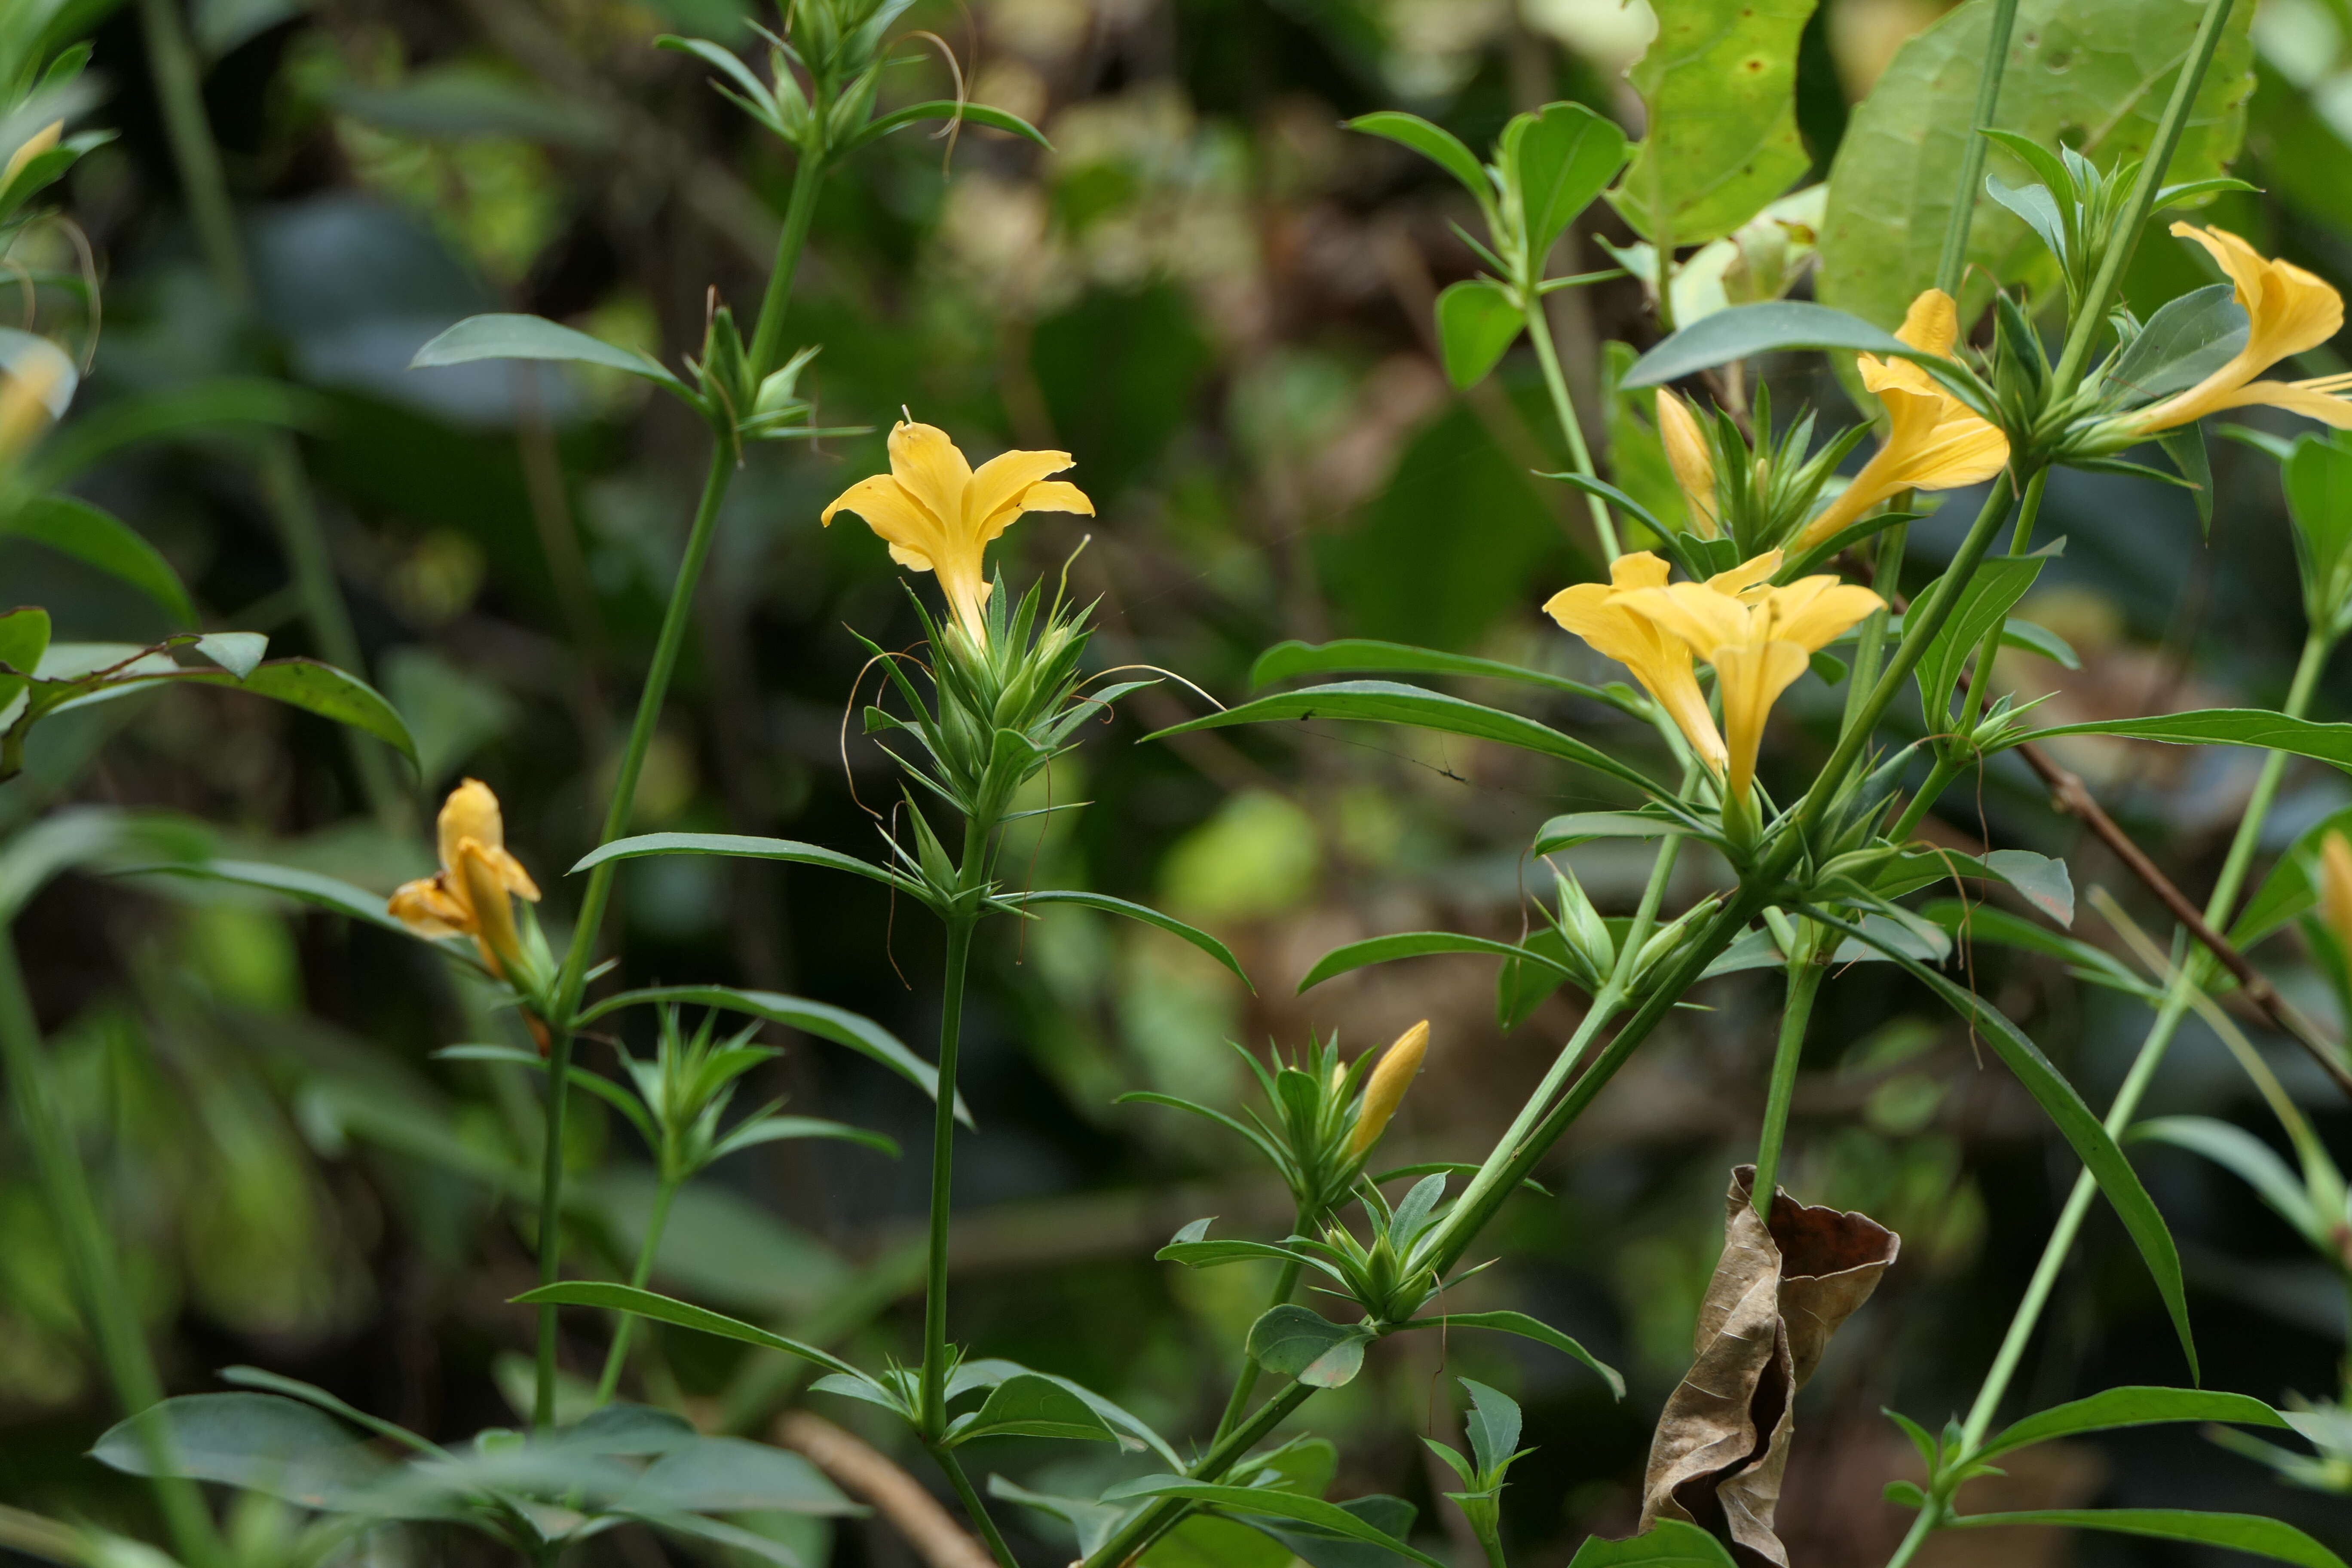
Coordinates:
2288 312
1385 1091
938 513
1758 637
1603 615
472 893
38 142
2336 888
1933 441
1693 462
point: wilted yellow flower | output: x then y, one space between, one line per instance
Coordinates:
472 894
2288 311
938 513
1385 1091
38 142
1934 442
1759 639
1693 462
24 402
2335 888
1603 615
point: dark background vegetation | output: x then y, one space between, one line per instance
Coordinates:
1219 303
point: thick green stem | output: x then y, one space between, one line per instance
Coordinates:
1804 982
768 337
974 1507
618 1356
89 1256
1563 408
934 1412
1953 264
285 484
1246 1381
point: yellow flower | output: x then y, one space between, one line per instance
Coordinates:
38 142
938 513
2335 888
1693 462
2288 312
1758 638
1933 441
1385 1091
25 401
471 894
1603 615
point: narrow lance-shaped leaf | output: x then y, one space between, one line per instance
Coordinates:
2247 1532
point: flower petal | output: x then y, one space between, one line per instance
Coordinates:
425 907
1932 325
1703 618
1639 569
932 469
2296 397
1751 679
891 511
470 812
998 484
1813 619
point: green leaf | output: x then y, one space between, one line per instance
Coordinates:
1719 82
1528 1328
311 1394
1745 330
1391 1515
2247 1158
2072 1118
1492 1426
2247 1532
2188 339
1669 1544
2330 743
942 108
1387 702
1272 1503
1576 827
1134 911
23 638
260 1442
2095 74
2291 887
747 848
1417 944
1195 1254
1438 145
1980 922
303 683
1029 1405
1562 156
1093 1521
310 887
1477 321
72 526
85 836
190 408
728 1475
1300 1343
2042 881
506 336
681 1314
1286 659
1999 582
822 1019
2132 1406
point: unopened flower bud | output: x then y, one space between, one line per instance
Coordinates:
1693 463
1386 1090
2336 888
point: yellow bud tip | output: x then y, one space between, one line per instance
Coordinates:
1386 1090
24 404
38 142
2335 888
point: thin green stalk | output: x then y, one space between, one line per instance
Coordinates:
91 1260
975 1508
933 1414
1953 263
1948 766
1160 1517
618 1356
1246 1381
1494 1549
1804 982
1563 408
285 483
1980 686
768 337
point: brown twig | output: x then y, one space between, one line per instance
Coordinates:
867 1473
2071 795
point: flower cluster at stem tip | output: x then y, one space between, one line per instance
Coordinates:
473 894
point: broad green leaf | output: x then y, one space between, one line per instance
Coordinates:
1417 944
1391 1515
1029 1405
535 337
2247 1158
1719 83
2133 1407
1492 1426
1745 330
259 1442
1272 1503
1387 702
1283 660
1562 157
72 526
2042 881
822 1019
2093 73
1301 1342
1094 1521
1433 143
311 1394
742 844
2329 743
1476 323
2291 887
1998 583
2247 1532
682 1314
2090 1141
23 638
1134 911
2188 339
1528 1328
1669 1544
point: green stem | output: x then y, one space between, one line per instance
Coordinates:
933 1413
973 1506
285 484
91 1260
1246 1381
1953 264
1494 1549
1156 1521
768 339
2092 311
1917 1536
1563 408
1946 767
1804 982
618 1356
2177 1000
1980 684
